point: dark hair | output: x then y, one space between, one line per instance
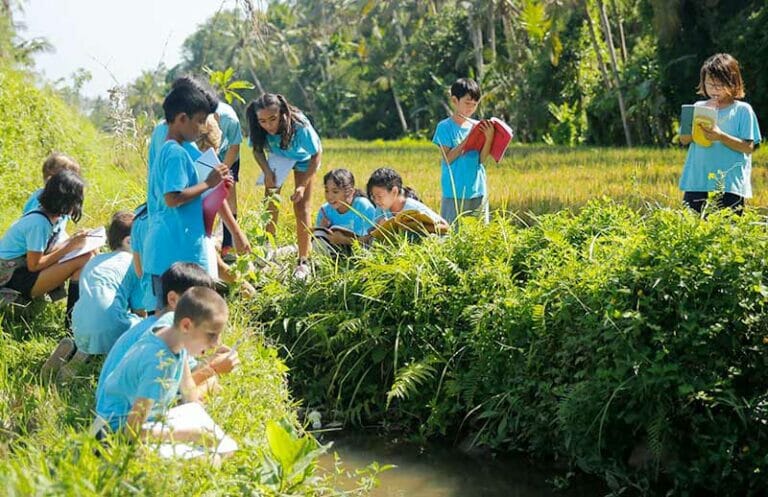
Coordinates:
58 162
63 195
464 86
724 69
189 100
200 305
182 276
387 178
192 82
119 228
344 179
288 114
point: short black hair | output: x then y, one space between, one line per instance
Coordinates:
182 276
63 195
189 100
119 228
464 86
200 305
192 82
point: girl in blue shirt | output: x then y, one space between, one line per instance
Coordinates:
29 259
345 207
278 128
386 190
726 165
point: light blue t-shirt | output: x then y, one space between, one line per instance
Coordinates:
231 131
410 205
175 234
59 227
359 218
304 144
138 235
158 139
465 177
109 288
33 202
148 370
30 233
123 345
704 166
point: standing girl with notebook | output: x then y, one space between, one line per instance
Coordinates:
726 165
279 130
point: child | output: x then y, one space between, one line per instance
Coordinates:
138 234
283 131
727 163
385 188
210 138
176 231
28 254
145 382
176 280
109 289
346 207
229 153
462 178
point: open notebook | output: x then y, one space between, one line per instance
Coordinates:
191 415
95 239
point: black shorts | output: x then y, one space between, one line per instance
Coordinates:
697 200
235 170
23 280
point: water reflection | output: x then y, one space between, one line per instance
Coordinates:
437 471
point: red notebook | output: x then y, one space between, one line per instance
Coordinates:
501 138
212 202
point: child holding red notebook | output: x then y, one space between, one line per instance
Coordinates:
462 179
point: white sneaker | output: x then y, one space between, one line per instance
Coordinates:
302 271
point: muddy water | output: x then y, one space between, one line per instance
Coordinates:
439 471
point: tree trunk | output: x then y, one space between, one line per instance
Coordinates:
596 47
476 36
492 28
622 38
400 113
614 69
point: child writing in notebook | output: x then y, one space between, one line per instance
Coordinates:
29 256
462 177
277 129
345 207
174 199
176 280
727 163
145 382
385 188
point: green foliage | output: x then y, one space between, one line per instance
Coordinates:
222 82
630 343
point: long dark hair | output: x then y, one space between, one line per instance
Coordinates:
387 178
63 195
344 179
288 114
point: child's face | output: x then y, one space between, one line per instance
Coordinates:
337 196
466 105
269 119
192 127
384 198
204 336
715 89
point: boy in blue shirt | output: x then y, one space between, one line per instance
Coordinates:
145 382
176 280
462 178
174 199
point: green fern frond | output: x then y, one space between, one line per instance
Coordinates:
409 378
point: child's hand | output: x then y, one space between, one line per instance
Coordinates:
325 222
217 175
298 194
712 134
338 238
77 240
488 130
225 360
241 243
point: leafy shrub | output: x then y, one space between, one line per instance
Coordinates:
632 344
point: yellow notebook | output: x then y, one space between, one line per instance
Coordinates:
407 221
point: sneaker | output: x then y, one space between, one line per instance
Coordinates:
63 353
69 370
228 255
302 271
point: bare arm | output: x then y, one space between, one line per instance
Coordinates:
314 164
238 237
137 265
37 261
175 199
233 152
736 144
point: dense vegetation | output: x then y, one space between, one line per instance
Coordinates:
558 71
631 344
